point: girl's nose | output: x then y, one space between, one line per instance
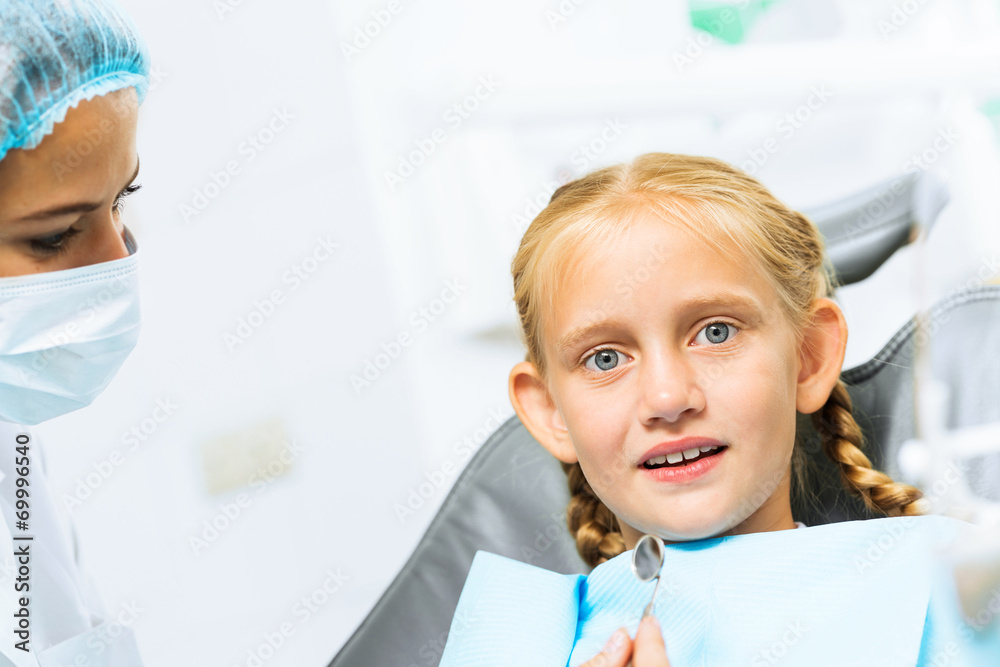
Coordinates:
669 389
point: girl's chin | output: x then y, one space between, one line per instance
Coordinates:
692 534
688 522
686 532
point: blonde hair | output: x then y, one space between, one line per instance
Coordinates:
732 211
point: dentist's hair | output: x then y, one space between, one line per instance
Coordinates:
732 211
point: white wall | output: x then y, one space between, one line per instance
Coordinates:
224 75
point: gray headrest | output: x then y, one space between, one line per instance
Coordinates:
862 231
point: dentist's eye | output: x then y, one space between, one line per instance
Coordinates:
119 204
53 243
717 333
602 360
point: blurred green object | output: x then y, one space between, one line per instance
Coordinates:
728 21
991 108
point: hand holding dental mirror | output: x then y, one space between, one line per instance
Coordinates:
647 559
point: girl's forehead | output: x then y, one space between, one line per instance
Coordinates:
652 265
651 250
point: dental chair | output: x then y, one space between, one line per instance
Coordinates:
512 496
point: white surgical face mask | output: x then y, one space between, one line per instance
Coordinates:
64 335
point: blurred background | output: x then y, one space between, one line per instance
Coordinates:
332 193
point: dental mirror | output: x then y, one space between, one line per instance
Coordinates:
647 559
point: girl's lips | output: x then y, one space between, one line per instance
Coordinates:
687 472
677 446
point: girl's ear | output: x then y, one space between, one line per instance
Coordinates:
537 411
821 356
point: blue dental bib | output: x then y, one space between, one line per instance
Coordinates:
863 593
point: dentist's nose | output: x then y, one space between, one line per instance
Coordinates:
107 243
669 388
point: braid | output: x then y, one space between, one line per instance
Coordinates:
842 439
590 522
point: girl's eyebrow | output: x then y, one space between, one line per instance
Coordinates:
576 336
731 299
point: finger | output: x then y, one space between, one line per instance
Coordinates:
615 653
649 648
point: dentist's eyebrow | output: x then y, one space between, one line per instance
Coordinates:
725 299
82 207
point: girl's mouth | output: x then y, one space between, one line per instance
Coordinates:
683 459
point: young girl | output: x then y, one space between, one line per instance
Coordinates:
677 319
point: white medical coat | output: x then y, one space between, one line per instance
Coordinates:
68 624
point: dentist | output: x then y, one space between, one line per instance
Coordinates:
72 76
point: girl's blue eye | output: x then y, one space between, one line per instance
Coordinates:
604 360
717 332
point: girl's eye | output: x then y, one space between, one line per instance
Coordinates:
119 204
603 360
717 333
54 243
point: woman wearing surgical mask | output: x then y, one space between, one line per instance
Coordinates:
72 76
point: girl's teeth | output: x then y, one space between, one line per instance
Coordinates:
677 457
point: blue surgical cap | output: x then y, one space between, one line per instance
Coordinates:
55 54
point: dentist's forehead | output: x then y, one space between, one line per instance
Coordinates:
88 157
